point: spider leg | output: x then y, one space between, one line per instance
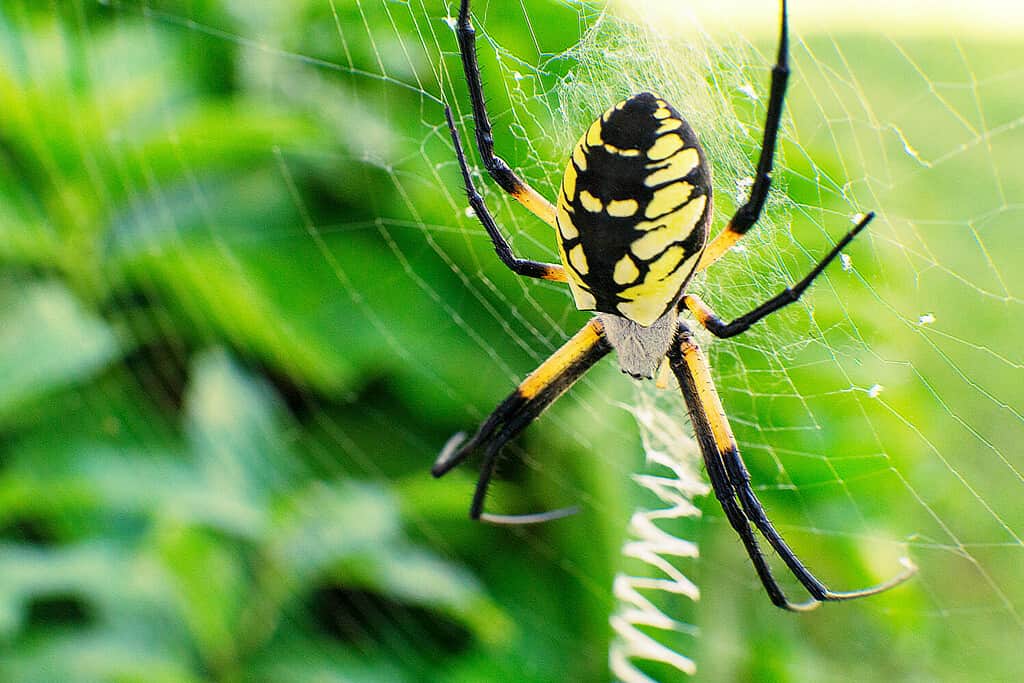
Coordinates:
538 391
731 481
711 428
476 510
740 477
708 319
543 271
496 166
746 216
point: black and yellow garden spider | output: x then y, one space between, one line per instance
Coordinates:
633 217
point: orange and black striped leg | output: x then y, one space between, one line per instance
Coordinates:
707 318
746 216
714 436
539 390
730 481
525 267
496 166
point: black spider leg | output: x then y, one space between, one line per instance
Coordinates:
525 267
740 477
747 215
730 479
538 391
717 472
496 166
707 317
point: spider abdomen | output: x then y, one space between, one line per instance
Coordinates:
633 210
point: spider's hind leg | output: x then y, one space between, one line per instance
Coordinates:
731 483
538 391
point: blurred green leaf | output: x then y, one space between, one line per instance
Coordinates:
234 432
209 578
352 533
103 577
102 656
47 342
231 534
322 525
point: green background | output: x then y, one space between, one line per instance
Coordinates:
242 307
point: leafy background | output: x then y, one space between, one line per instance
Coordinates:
241 307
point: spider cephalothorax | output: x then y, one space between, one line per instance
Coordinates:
632 218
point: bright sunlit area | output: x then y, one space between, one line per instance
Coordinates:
273 408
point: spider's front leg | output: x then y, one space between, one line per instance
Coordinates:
746 216
496 166
539 390
519 266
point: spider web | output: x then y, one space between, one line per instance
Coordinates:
880 417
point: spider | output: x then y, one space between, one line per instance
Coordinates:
632 219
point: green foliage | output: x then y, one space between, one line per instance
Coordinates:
206 553
165 515
47 342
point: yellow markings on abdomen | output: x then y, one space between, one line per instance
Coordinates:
578 260
651 297
581 296
611 110
565 225
585 301
668 125
666 219
665 146
625 271
654 242
668 198
622 208
630 152
579 155
590 202
594 138
678 167
569 182
662 214
682 223
666 263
